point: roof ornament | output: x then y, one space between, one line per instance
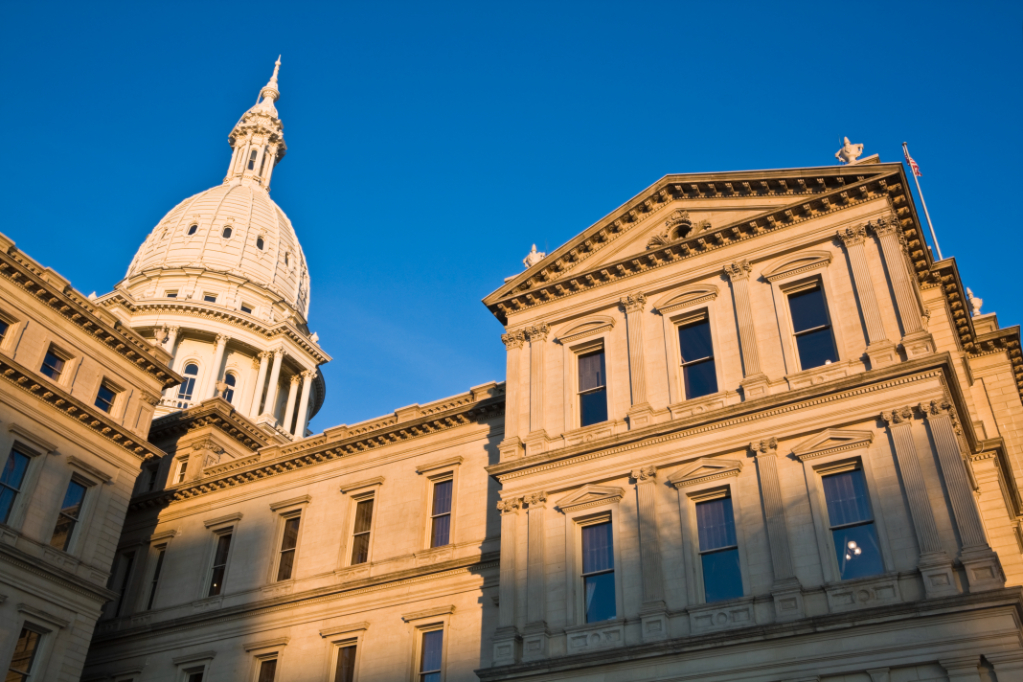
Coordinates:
533 257
270 89
849 152
975 303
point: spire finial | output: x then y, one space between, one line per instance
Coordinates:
270 89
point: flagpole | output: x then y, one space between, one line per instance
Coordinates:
934 237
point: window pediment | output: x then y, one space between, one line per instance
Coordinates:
804 261
685 297
703 470
590 327
831 441
590 496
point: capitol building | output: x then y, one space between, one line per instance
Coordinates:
750 430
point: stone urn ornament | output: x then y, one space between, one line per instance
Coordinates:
849 151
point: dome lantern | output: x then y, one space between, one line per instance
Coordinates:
257 139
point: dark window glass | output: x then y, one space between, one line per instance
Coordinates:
592 389
268 670
852 525
345 670
209 298
260 243
231 381
598 572
52 365
187 386
105 398
192 229
219 564
156 580
10 482
24 655
288 544
154 472
262 161
360 539
127 560
719 552
814 340
228 232
697 352
171 294
182 471
195 677
440 534
252 159
68 516
430 658
246 309
3 329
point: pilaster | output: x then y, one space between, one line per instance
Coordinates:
511 447
754 384
653 612
880 350
535 636
507 641
640 413
915 340
537 439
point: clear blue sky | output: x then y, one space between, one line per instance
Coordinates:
429 144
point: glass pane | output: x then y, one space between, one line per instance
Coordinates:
598 548
185 391
694 341
290 539
345 671
195 677
808 309
14 469
217 581
364 515
6 503
716 524
816 348
156 579
846 494
62 532
286 565
600 597
191 370
721 576
593 407
3 329
268 670
441 534
442 497
360 549
700 379
105 399
52 366
433 643
223 547
24 652
72 505
857 550
591 371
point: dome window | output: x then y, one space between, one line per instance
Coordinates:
231 380
192 229
262 162
187 387
227 232
287 258
252 159
260 243
246 308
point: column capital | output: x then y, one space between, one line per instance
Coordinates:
647 473
633 303
535 499
280 352
172 328
308 374
509 505
885 226
295 378
766 446
900 415
264 355
935 408
538 332
851 236
740 269
514 339
223 338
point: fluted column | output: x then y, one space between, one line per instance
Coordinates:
880 350
275 376
755 382
507 645
303 405
257 396
934 564
889 234
786 590
537 346
652 613
634 305
289 411
172 339
983 569
535 634
218 359
511 448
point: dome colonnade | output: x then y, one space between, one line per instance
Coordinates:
223 285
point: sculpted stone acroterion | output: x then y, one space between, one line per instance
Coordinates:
849 151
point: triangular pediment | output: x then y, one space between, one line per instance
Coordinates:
719 207
831 441
703 470
590 496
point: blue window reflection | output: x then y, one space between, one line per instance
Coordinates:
598 572
719 551
852 525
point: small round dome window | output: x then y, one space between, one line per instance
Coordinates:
192 229
260 243
227 232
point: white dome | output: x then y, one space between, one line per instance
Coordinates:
261 247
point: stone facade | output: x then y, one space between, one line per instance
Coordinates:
750 430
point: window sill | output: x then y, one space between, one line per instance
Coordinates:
823 374
208 603
703 404
607 634
278 589
863 593
722 615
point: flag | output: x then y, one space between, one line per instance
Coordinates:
911 162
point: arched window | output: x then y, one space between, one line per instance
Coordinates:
260 243
187 387
227 232
192 229
252 159
231 381
287 258
262 162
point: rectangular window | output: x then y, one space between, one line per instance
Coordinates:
719 551
125 562
53 365
592 389
697 351
246 308
209 298
195 675
288 544
599 572
105 397
267 670
219 565
345 669
70 509
4 326
852 525
810 323
430 657
11 480
440 524
156 580
24 656
171 293
179 477
360 536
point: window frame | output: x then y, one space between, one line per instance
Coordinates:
207 294
433 480
805 286
337 638
81 526
586 350
266 650
116 403
47 626
284 511
720 492
573 408
128 578
66 369
596 520
575 518
365 496
225 525
183 403
179 470
23 498
171 293
14 329
677 322
232 388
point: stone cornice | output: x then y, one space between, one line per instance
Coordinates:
816 198
70 581
53 290
75 410
340 442
213 412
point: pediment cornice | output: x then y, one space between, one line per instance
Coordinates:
705 470
590 496
832 441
